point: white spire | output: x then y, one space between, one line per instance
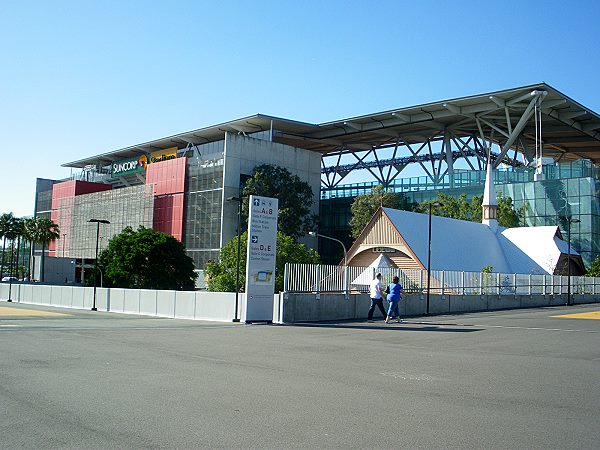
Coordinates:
489 204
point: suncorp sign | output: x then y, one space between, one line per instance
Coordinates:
127 166
138 164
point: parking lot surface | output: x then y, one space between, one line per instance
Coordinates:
505 379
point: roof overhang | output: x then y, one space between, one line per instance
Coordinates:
570 131
250 124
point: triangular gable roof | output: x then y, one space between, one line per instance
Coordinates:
361 237
377 227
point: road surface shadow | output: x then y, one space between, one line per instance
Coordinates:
406 326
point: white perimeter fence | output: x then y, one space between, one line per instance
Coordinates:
330 278
216 306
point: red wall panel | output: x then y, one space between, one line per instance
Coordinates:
168 178
86 187
62 190
168 215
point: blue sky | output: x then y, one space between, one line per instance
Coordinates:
81 78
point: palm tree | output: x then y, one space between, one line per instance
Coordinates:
43 231
28 233
6 221
19 229
11 234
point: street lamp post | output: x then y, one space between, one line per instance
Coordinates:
64 242
570 220
313 233
436 204
10 272
239 249
97 222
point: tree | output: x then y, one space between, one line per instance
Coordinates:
221 274
42 230
454 207
6 223
16 232
28 233
295 198
147 259
460 208
594 270
507 215
364 206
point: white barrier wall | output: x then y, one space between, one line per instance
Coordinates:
307 307
198 305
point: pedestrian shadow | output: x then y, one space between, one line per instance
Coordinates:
405 326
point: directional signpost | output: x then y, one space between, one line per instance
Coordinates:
260 267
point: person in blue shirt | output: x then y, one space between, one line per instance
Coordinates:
393 297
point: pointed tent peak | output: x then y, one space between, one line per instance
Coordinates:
489 193
382 261
367 275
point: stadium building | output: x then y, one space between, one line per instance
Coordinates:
543 145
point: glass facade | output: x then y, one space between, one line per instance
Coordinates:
568 190
203 203
43 206
43 197
469 178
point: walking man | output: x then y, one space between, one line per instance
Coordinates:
376 294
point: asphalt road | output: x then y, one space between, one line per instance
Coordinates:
510 379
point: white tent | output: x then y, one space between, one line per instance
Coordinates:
460 245
367 275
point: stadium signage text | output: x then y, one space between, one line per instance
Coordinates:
127 166
138 164
163 155
383 250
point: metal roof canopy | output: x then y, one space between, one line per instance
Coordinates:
250 124
569 130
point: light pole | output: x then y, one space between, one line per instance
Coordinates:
97 222
436 204
570 220
314 233
12 247
64 242
237 270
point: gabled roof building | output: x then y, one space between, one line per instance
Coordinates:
460 245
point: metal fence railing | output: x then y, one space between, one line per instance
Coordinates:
330 278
